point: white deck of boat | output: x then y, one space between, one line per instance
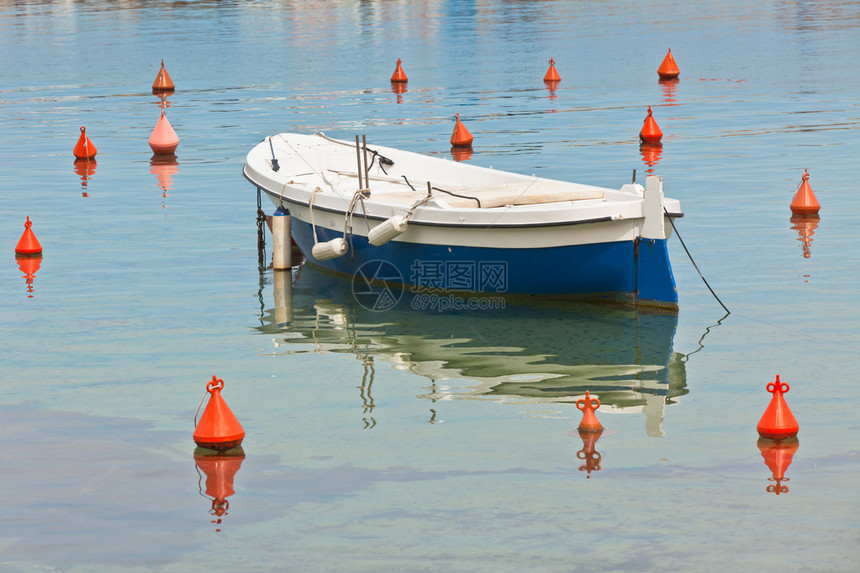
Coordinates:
336 162
532 192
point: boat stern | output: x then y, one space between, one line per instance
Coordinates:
654 283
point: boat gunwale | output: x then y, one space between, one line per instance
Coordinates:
454 224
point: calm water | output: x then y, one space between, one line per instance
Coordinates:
418 440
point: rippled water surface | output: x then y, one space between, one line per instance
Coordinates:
413 439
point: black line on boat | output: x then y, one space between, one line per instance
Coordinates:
457 225
694 262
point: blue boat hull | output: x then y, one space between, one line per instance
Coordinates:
636 272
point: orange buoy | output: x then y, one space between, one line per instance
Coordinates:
589 422
804 202
668 69
551 74
398 75
163 139
84 148
220 469
162 82
777 422
651 132
777 457
218 428
28 244
461 136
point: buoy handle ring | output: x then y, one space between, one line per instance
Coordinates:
777 489
551 62
781 387
593 404
219 507
83 129
592 455
216 385
28 223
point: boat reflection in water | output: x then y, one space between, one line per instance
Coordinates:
524 352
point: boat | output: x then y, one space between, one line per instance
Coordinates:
436 225
528 352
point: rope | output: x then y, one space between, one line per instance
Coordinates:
261 234
382 159
198 408
311 209
694 262
444 191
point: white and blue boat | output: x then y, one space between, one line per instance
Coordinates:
438 225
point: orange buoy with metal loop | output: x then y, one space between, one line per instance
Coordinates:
804 202
28 244
398 75
668 69
650 132
589 422
84 148
162 82
551 74
163 139
777 422
218 428
461 136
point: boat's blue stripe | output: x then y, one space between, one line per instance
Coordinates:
607 271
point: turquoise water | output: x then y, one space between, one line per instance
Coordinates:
418 440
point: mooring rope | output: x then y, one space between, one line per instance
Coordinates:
261 234
694 262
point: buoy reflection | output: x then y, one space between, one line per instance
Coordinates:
805 226
163 102
29 264
164 167
461 153
551 87
669 87
85 168
588 454
651 154
399 88
220 469
777 456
